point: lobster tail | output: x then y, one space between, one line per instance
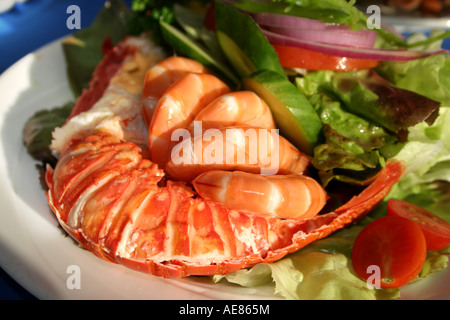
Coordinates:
116 204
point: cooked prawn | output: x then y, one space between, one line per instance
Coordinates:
254 150
177 108
161 76
235 109
293 196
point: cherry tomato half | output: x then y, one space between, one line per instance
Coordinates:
435 229
394 245
294 57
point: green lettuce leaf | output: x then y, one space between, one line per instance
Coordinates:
355 148
372 97
428 76
146 15
323 10
198 43
366 121
426 154
37 132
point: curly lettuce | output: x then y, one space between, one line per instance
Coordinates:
427 152
365 120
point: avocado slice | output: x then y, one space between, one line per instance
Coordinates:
295 116
244 45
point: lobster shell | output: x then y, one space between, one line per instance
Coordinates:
113 202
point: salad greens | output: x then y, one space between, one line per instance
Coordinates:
323 271
37 133
427 158
195 41
427 151
326 11
426 155
330 11
334 11
356 144
351 152
248 51
429 77
391 107
359 140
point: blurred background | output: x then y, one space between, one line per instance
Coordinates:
412 15
411 8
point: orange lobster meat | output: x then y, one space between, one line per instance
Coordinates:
238 108
235 152
177 107
159 77
109 195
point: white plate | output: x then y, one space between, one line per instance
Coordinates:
33 248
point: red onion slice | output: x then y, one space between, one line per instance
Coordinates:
349 52
339 36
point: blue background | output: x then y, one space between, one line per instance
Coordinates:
32 24
25 28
